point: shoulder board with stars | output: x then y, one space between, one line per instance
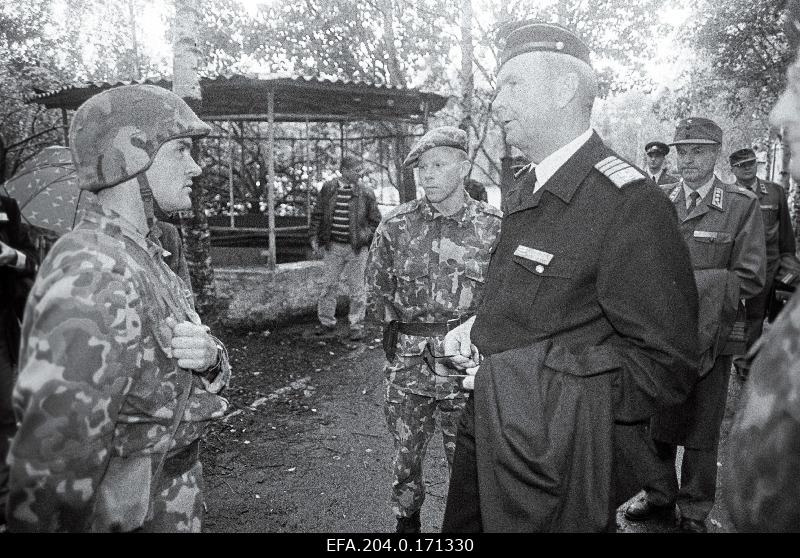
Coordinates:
618 171
716 199
676 191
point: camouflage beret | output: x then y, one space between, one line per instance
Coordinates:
658 147
443 136
532 36
742 156
697 130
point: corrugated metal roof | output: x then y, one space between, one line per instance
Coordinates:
295 97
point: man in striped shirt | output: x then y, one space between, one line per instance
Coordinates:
343 223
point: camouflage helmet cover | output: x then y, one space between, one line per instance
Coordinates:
144 116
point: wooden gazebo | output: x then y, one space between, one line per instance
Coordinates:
273 99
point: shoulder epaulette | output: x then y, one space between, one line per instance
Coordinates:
618 171
746 192
402 209
490 209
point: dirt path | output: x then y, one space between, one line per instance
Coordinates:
305 446
315 457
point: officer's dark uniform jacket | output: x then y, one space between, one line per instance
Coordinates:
778 231
590 311
608 242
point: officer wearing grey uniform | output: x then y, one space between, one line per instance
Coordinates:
722 226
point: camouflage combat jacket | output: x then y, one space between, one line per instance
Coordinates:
762 482
98 388
425 267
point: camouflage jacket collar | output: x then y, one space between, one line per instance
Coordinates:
115 225
463 216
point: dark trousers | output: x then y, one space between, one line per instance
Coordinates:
756 313
698 485
8 425
462 513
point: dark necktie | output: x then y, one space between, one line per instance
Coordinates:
693 197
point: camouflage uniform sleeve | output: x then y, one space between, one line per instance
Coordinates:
379 282
79 357
761 483
218 377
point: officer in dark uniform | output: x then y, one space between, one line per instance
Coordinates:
656 168
722 227
778 234
590 269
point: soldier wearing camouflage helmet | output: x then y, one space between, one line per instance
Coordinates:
426 273
118 376
762 479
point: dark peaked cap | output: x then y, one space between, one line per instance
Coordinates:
742 156
533 36
657 146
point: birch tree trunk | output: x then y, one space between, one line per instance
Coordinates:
405 183
186 83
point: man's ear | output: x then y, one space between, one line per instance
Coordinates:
464 168
565 88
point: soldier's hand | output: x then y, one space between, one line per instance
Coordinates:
468 382
192 346
457 343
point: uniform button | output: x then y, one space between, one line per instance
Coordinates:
539 269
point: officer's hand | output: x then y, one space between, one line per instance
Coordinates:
314 246
192 346
457 343
469 381
7 254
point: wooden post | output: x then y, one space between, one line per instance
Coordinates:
230 175
341 140
271 175
65 123
308 174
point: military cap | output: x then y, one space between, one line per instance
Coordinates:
657 147
533 36
742 156
443 136
697 130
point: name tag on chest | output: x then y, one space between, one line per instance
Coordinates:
705 234
769 207
534 255
3 217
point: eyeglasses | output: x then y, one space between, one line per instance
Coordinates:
430 360
745 165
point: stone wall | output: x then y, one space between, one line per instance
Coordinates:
258 297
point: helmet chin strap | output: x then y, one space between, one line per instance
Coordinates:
146 193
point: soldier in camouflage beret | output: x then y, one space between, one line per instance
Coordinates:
426 273
762 480
118 376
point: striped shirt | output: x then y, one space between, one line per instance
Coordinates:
340 228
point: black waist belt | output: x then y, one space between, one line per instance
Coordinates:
176 464
430 329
